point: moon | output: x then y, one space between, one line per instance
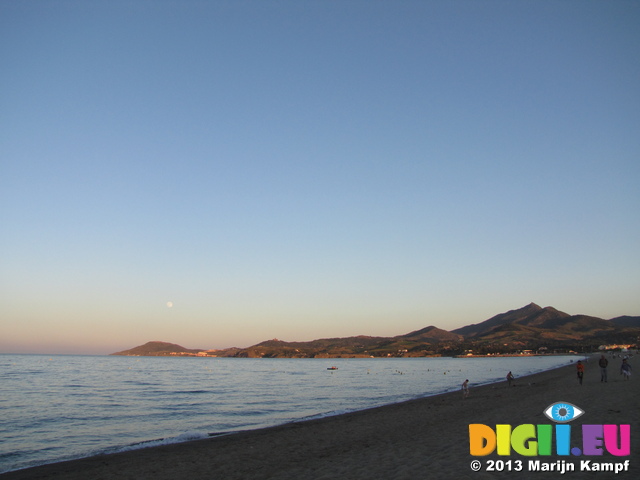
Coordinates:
169 304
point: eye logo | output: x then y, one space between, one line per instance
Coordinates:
563 412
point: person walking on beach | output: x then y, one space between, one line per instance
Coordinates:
580 370
465 388
603 368
625 369
509 378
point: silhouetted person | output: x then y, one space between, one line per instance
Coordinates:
580 370
625 369
603 368
509 378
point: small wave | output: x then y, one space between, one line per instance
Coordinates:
141 383
331 413
183 437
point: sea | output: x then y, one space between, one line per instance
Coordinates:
63 407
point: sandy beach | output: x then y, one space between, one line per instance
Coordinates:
424 438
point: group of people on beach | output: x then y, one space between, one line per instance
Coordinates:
625 369
465 384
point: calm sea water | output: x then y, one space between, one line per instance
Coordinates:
57 408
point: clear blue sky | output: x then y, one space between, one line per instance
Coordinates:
307 169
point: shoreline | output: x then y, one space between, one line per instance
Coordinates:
199 434
401 440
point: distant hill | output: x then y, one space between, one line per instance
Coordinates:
530 327
531 314
324 347
156 349
533 325
626 321
432 335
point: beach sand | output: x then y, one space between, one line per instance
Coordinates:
424 438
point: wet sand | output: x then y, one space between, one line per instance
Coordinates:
418 439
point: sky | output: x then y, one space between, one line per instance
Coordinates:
220 173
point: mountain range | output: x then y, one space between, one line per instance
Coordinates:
528 328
